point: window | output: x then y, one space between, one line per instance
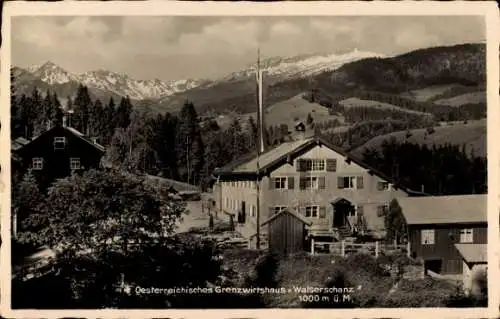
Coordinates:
466 235
312 211
427 236
59 143
382 210
383 186
314 165
74 163
37 163
280 182
311 165
253 211
312 182
350 182
277 209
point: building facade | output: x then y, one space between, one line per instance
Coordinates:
56 153
445 230
324 184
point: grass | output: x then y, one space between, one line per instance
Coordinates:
296 108
428 93
472 98
356 102
472 134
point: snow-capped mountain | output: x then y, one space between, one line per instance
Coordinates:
119 84
137 89
105 83
51 73
303 65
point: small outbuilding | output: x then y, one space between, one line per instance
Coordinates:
286 232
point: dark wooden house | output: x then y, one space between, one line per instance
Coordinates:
286 232
441 228
56 153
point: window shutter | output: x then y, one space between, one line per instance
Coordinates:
380 211
290 182
302 183
360 211
321 182
340 182
271 183
359 182
322 212
331 165
300 165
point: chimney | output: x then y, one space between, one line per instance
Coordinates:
94 140
422 188
65 121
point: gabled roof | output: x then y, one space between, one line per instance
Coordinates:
70 130
289 212
473 253
272 158
444 209
170 183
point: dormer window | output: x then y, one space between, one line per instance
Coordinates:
74 163
383 186
59 143
37 163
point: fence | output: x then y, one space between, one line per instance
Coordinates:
343 247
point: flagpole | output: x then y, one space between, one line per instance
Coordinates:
260 146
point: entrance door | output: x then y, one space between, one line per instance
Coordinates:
243 213
341 210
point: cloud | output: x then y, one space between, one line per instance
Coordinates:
173 47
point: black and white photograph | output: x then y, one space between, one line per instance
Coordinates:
162 158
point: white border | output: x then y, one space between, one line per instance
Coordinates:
154 8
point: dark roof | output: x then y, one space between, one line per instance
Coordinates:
444 209
18 143
22 142
179 187
473 253
281 213
289 212
272 158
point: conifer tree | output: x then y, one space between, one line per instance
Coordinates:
123 112
81 105
189 145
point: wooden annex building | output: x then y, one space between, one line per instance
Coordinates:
286 232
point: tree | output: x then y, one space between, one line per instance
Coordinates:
97 120
110 121
131 147
124 112
163 143
189 145
98 209
81 105
26 198
395 223
56 112
114 233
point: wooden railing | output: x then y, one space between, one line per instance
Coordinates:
343 247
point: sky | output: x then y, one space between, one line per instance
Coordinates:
172 48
